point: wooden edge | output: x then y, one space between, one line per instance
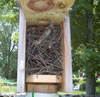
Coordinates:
67 57
63 51
43 79
21 54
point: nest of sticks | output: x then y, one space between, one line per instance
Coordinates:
44 50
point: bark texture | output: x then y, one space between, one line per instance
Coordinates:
90 84
90 77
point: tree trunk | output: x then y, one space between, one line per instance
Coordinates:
6 71
90 77
90 84
7 66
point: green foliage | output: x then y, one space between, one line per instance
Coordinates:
85 24
80 81
76 81
83 5
15 36
8 38
86 52
86 57
98 90
11 4
83 85
10 17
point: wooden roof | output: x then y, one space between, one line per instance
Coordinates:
45 11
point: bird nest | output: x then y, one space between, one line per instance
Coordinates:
44 50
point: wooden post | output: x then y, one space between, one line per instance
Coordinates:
21 54
67 73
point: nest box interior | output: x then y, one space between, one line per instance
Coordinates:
44 57
45 11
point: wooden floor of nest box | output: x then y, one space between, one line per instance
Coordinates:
45 11
44 79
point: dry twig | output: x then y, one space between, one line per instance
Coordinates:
43 50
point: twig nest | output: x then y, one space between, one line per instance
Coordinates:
44 50
40 5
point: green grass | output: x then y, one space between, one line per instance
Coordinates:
74 93
12 89
83 92
6 89
98 90
78 92
1 82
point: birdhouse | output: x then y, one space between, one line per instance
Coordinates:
44 55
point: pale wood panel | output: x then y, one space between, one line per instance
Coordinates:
42 88
43 79
21 54
45 11
67 72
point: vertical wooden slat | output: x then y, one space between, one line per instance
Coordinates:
67 72
21 54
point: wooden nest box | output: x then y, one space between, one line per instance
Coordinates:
44 56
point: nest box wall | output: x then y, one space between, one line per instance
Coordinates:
45 11
42 12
